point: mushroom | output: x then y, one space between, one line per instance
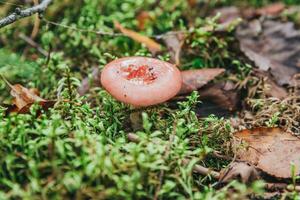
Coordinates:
141 81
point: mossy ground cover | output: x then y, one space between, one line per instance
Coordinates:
79 149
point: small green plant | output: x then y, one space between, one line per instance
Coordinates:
293 194
274 120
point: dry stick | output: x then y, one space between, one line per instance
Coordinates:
82 30
197 168
203 170
19 14
112 34
33 44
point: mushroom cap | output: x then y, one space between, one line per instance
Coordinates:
141 81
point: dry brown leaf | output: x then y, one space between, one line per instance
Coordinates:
192 80
224 94
174 43
275 90
142 18
24 98
192 3
244 172
272 150
153 46
272 9
273 46
230 13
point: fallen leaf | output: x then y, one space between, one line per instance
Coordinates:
231 13
275 90
174 43
244 172
194 79
224 94
271 150
24 98
273 46
142 18
192 3
153 46
272 9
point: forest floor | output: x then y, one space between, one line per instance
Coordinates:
231 133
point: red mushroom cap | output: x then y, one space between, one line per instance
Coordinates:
141 81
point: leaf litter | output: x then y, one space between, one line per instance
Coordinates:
224 94
197 78
24 98
174 43
242 171
271 150
272 45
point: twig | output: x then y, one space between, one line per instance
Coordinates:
203 170
82 30
7 82
133 137
19 14
33 44
112 34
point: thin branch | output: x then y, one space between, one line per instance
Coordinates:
112 34
33 44
82 30
19 14
203 170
